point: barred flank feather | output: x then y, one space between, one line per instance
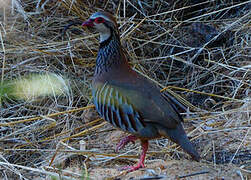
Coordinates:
116 109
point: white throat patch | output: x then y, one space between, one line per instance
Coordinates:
104 36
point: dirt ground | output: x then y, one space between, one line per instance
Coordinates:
172 169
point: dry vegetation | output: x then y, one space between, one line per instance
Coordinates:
199 50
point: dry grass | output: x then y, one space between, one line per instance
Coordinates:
200 51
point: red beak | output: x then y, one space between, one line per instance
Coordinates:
88 23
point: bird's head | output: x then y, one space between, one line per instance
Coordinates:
104 23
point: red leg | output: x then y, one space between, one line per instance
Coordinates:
125 141
144 145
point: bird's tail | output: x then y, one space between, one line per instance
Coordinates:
178 135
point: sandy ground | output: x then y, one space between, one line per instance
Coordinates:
169 169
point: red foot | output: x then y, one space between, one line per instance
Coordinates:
144 145
125 141
133 168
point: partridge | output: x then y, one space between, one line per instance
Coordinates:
128 100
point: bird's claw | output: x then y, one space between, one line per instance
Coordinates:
133 168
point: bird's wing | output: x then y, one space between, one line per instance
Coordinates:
153 106
131 105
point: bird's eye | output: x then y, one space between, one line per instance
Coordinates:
99 20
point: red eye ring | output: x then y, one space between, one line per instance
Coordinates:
99 20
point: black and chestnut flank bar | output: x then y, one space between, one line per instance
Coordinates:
128 100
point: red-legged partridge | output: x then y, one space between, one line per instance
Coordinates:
128 100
